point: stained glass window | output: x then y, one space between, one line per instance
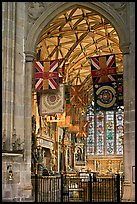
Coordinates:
119 130
110 133
100 133
105 132
90 138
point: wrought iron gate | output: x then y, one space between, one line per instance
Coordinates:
91 189
67 188
46 188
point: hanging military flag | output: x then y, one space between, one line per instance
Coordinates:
52 102
82 128
68 109
74 119
120 89
73 128
105 96
103 69
79 96
46 75
75 115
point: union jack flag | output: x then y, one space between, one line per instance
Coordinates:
46 75
103 69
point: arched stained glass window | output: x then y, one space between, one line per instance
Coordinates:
105 132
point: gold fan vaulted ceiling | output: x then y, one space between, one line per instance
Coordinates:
75 36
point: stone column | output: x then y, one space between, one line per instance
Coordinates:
28 106
19 71
129 123
8 69
27 121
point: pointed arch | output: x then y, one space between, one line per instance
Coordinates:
101 7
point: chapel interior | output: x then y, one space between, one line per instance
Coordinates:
80 137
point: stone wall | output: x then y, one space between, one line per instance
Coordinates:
14 187
13 90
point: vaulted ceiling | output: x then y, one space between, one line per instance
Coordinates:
75 36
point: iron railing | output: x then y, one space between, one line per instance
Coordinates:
65 188
46 188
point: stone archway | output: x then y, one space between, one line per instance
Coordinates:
102 8
112 15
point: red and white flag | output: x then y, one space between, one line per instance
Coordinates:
46 75
103 69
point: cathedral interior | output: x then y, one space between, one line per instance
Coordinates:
68 99
90 139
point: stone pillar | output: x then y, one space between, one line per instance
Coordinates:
27 121
28 106
129 113
129 132
8 68
13 103
13 70
19 72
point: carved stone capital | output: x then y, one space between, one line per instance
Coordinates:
29 56
125 48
